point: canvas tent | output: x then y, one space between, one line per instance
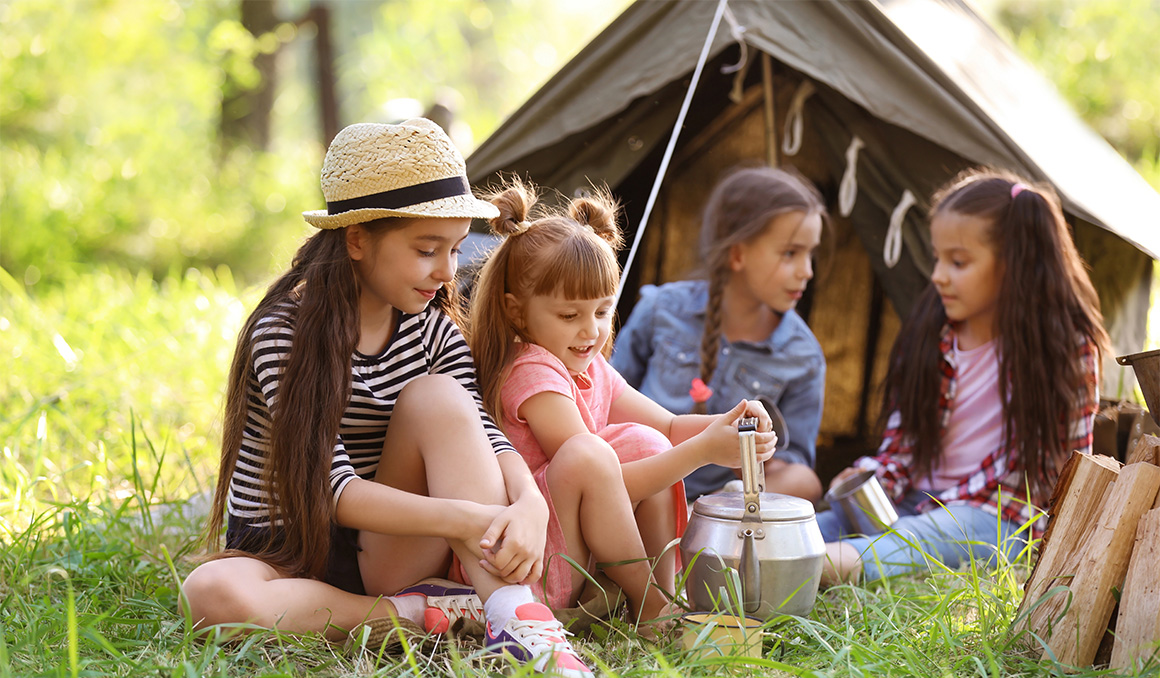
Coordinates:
878 102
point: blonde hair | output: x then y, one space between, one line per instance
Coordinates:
570 251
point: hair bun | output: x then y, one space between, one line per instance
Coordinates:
599 213
515 201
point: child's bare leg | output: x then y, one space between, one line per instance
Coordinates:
656 519
247 590
842 564
596 517
436 445
796 480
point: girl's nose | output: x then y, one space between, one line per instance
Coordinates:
939 275
806 270
445 272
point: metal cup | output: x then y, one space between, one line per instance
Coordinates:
861 505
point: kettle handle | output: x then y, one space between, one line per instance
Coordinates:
752 474
752 482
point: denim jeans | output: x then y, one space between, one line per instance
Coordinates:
951 535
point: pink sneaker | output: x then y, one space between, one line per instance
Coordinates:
535 637
447 601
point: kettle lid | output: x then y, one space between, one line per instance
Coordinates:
774 507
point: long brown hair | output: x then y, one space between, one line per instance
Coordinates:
739 209
1041 382
320 293
572 252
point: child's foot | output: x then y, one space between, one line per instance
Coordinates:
534 637
447 601
657 629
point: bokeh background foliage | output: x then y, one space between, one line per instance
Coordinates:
116 116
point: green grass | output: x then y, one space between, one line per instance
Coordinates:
109 413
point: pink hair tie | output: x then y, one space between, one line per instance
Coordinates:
700 393
1016 189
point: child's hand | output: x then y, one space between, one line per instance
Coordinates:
845 473
720 440
755 408
513 546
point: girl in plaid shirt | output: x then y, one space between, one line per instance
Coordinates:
992 383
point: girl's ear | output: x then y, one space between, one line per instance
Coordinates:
513 309
737 258
357 242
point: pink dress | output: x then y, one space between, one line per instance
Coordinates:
536 370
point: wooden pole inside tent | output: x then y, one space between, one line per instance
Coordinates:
770 118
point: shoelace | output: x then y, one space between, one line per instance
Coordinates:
542 636
454 607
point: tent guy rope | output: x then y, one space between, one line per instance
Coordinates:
656 187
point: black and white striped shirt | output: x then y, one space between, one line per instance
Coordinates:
426 343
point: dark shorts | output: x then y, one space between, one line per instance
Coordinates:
341 566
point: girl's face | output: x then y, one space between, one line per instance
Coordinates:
967 273
775 267
404 267
573 330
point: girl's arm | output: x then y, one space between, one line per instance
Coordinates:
697 439
801 406
514 542
553 419
368 505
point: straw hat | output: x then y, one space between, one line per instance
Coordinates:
411 169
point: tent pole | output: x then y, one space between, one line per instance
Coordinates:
770 120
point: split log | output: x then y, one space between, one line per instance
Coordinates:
1078 491
1075 638
1138 624
1147 450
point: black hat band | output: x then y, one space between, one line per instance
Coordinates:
403 197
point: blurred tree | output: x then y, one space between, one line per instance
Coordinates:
1104 56
248 94
109 114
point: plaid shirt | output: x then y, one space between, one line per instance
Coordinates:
997 485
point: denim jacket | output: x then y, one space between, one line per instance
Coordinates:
658 351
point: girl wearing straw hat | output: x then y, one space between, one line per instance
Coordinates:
357 457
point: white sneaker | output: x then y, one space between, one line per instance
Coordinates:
533 636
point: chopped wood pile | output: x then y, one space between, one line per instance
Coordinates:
1101 548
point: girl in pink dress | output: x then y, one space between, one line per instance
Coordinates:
608 460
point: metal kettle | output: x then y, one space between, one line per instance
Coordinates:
770 542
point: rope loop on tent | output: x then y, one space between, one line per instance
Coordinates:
738 32
892 248
791 137
848 190
668 156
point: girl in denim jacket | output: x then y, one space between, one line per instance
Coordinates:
700 345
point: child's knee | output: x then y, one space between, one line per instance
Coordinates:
215 594
450 395
797 480
586 456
